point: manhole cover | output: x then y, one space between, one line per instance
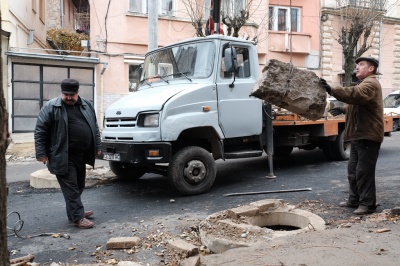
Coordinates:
257 222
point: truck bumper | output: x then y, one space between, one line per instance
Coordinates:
137 153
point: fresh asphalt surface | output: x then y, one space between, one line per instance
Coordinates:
143 207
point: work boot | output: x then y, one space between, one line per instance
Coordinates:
348 204
88 214
84 223
363 210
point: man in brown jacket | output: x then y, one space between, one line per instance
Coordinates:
365 131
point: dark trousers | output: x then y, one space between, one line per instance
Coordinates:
361 172
72 186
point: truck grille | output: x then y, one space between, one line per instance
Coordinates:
120 122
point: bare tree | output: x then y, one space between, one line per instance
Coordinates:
234 14
359 25
4 256
195 10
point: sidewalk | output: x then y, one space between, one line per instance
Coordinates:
22 166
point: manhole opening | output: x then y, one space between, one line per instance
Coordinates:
282 227
280 221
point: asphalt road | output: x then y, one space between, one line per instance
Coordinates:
144 208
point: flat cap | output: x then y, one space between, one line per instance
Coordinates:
69 86
370 59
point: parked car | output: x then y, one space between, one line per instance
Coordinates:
391 104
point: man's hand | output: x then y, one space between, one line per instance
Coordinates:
43 160
336 111
325 85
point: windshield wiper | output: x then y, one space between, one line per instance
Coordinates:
163 78
178 74
184 74
145 80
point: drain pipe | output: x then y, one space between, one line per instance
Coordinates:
62 13
105 64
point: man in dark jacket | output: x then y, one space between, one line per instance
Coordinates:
365 131
67 138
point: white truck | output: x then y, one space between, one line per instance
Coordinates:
193 106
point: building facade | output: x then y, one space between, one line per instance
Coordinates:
303 33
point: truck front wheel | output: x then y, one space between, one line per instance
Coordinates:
192 171
126 170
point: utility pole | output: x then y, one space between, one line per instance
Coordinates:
153 24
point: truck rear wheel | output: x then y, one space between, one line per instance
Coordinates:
339 150
126 170
395 124
192 171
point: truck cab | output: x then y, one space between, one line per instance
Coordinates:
193 106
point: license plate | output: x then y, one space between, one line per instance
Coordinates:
111 156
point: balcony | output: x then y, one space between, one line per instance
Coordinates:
361 6
279 41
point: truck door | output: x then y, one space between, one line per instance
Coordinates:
239 113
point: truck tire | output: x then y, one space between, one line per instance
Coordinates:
340 151
192 171
126 171
327 150
283 151
395 124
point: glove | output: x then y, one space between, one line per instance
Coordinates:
325 85
336 111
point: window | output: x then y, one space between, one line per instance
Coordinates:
243 63
134 77
232 8
165 7
185 61
284 18
139 6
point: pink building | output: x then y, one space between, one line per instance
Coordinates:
297 31
119 36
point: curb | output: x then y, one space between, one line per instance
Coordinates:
98 176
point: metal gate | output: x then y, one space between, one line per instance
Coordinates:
33 85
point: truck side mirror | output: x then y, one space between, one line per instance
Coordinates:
230 59
140 71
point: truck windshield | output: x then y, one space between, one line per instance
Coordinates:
188 61
392 101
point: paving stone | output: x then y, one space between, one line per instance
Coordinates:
128 263
191 261
395 211
246 210
185 248
122 242
267 204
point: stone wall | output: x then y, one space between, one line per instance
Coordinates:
53 17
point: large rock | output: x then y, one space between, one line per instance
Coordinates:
291 88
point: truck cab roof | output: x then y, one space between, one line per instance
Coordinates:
209 37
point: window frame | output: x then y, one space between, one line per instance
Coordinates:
233 9
42 11
273 23
34 6
144 10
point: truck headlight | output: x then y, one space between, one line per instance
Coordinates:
150 120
